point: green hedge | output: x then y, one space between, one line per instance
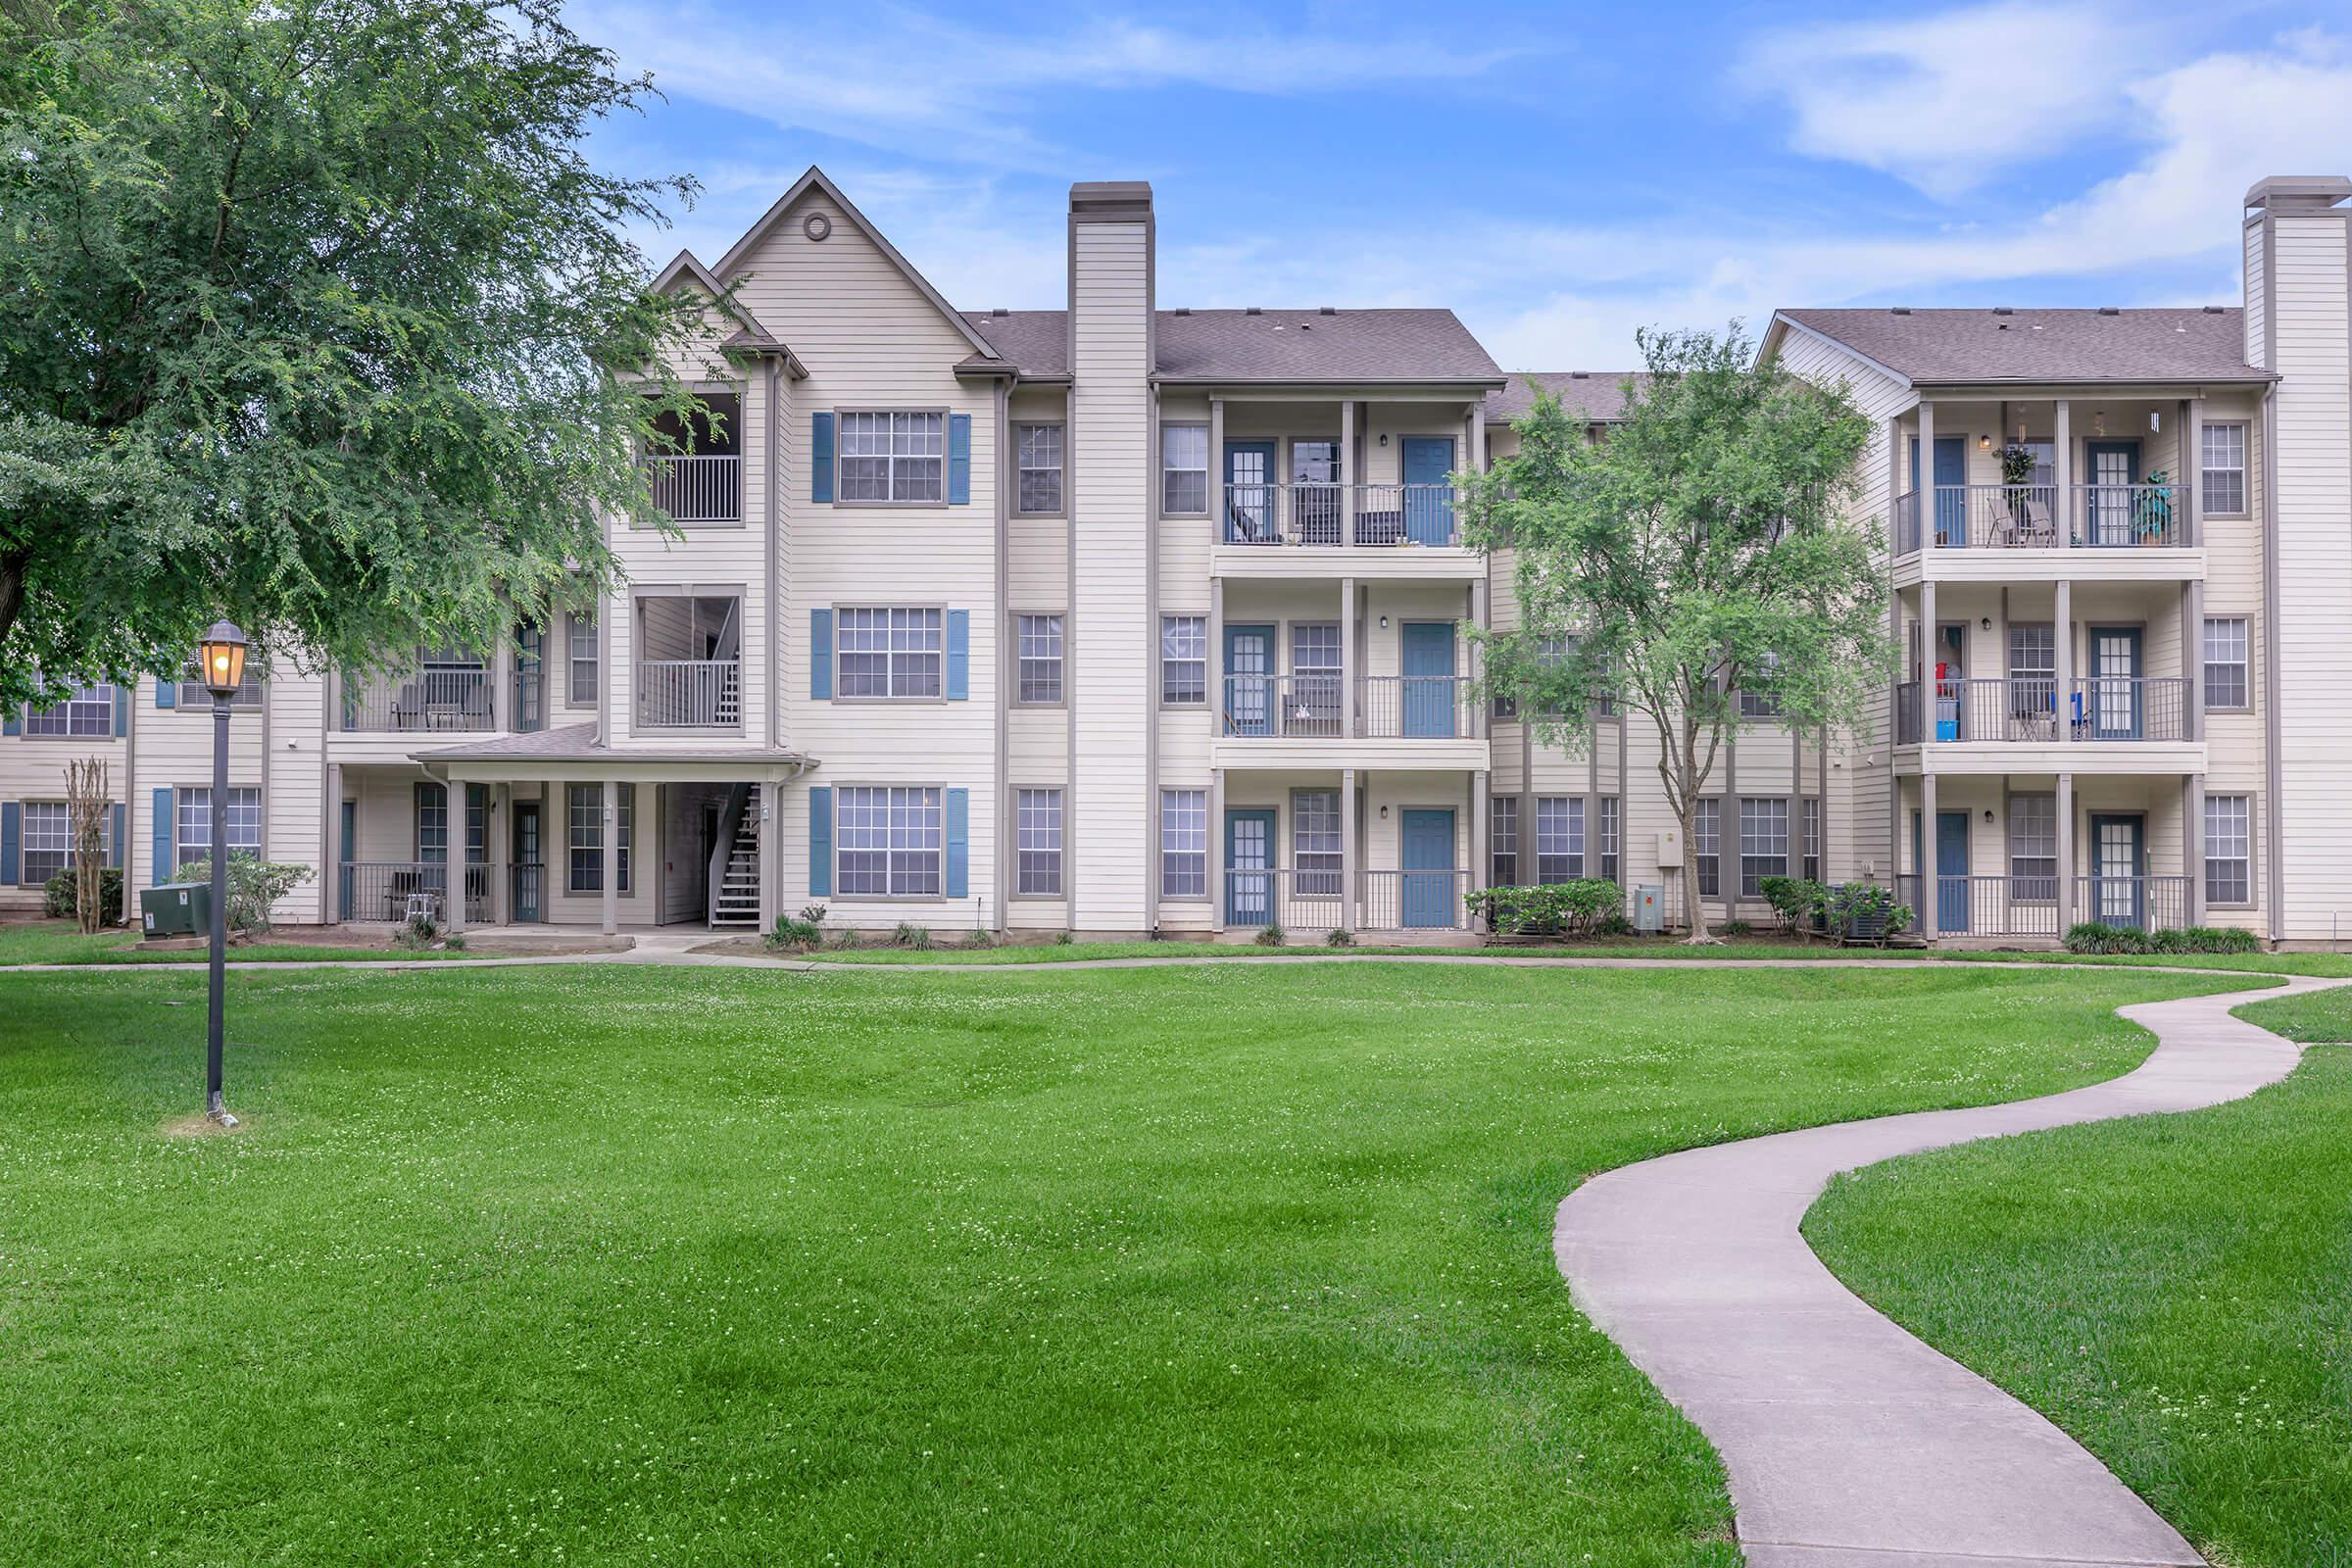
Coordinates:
1588 907
60 894
2098 937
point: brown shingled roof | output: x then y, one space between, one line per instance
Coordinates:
1271 345
1986 345
1598 395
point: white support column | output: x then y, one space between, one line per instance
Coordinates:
497 831
1220 507
2193 658
2061 638
1926 487
768 814
453 857
2066 852
1349 477
1350 869
1481 719
1350 655
2192 843
612 866
2062 439
2190 470
1931 643
330 875
1480 858
1931 866
1212 663
1217 847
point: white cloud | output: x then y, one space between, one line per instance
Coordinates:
1946 101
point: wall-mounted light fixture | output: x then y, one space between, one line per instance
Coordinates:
1383 623
1383 813
1985 443
2099 421
1384 439
2155 421
1988 813
1986 624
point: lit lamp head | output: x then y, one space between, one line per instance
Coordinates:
222 654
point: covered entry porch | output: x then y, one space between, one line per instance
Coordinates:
1390 852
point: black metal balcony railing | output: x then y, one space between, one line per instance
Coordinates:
1314 514
2026 708
2035 516
438 698
383 889
698 487
1386 708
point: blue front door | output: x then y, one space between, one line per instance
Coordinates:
1250 515
1948 884
1950 502
1427 861
1428 464
1249 680
1428 654
2111 499
1248 868
2112 701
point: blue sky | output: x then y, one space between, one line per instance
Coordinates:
1559 176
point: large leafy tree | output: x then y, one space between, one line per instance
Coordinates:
1700 547
314 315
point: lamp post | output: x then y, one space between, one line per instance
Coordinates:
222 654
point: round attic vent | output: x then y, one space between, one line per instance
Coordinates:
816 225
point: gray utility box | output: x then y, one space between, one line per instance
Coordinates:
1649 907
176 910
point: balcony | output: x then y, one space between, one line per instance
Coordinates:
382 890
1318 516
1308 707
445 696
2032 517
2024 711
2028 906
1311 900
688 694
701 488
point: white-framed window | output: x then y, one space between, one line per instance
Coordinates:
579 650
888 653
2033 847
1503 816
1812 850
1609 834
1559 838
195 811
432 823
1707 829
49 841
90 711
193 693
892 458
1037 847
1039 465
1183 844
1184 469
2229 849
889 842
1040 673
1184 660
1316 843
585 807
1763 841
2224 470
2225 682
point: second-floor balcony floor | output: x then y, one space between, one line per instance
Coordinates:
2144 515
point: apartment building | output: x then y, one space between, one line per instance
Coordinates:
1119 619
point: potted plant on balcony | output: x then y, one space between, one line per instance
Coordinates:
2152 508
2016 474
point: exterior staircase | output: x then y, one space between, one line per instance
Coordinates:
735 869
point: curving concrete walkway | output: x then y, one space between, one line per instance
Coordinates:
1850 1443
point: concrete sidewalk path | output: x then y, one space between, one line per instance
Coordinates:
1848 1443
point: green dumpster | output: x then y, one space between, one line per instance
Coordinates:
176 910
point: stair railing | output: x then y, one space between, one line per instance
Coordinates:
730 826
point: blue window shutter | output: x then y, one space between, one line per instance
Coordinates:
959 855
166 693
820 456
960 655
12 828
820 656
122 832
160 873
820 843
959 460
121 715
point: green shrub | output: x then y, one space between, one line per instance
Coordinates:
2098 937
917 937
1796 904
845 938
1738 928
1615 923
253 886
793 935
1553 908
59 895
455 942
1340 939
980 939
414 934
1268 935
1863 911
1062 939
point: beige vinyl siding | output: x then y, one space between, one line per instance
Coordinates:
2315 567
293 793
2257 316
33 768
175 751
1112 812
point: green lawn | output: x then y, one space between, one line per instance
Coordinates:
2173 1290
605 1265
57 941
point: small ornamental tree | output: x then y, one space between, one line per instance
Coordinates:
87 805
1700 548
314 317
